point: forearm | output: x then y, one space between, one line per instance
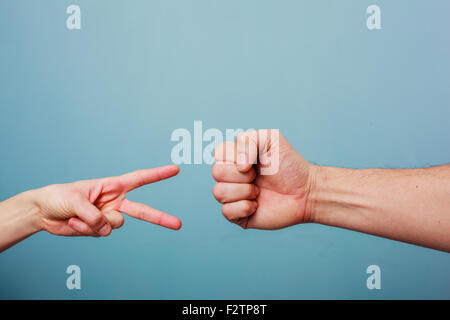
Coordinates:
410 205
18 219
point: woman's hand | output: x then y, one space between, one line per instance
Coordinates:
93 207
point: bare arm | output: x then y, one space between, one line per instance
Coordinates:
18 219
82 208
410 205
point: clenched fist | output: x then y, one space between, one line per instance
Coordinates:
262 182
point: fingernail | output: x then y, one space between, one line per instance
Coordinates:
72 223
242 159
104 231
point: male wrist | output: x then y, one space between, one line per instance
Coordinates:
316 178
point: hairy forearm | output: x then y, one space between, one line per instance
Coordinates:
18 219
410 205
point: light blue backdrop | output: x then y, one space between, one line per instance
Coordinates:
105 99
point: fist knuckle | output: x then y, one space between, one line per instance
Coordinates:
247 207
219 150
218 192
226 213
251 191
240 136
218 172
251 175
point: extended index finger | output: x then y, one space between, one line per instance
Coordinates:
139 178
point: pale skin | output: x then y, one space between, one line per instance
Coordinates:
82 208
409 205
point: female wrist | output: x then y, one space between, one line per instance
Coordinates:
28 202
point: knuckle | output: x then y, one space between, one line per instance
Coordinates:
247 207
117 221
218 172
251 175
250 190
116 184
240 138
121 221
268 130
220 149
221 146
218 192
96 221
73 197
141 212
226 212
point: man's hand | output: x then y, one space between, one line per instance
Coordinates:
252 199
93 207
410 205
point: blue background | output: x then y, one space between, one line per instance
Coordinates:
105 99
